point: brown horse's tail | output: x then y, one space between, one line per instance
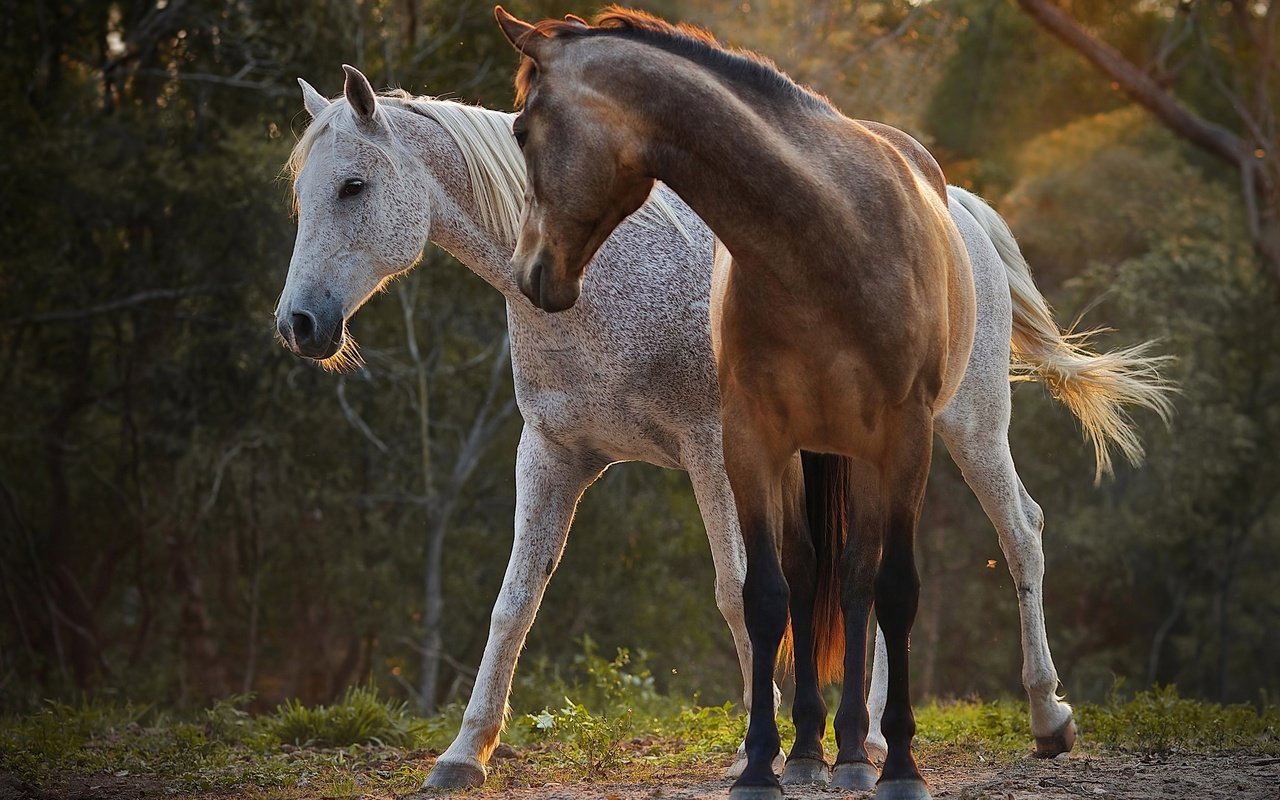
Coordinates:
1095 386
826 489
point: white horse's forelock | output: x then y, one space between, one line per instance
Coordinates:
495 166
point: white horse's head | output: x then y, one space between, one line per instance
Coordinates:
364 214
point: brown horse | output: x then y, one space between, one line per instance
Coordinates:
842 316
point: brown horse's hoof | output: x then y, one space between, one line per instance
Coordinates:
1059 742
906 789
755 793
855 776
454 775
805 771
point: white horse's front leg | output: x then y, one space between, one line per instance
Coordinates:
549 481
719 514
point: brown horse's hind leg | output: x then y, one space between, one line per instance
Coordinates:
903 474
806 763
755 471
859 564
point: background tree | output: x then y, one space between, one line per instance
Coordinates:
187 511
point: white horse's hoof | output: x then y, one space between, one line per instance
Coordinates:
1059 742
740 763
801 771
902 790
877 748
855 776
455 775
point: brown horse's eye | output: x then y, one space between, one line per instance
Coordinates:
351 188
521 135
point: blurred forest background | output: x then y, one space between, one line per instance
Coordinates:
187 511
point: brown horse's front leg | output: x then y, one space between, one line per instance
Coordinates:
755 473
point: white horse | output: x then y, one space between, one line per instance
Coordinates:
628 375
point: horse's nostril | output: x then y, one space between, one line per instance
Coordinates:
304 325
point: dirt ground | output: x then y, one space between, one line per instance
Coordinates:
961 776
968 777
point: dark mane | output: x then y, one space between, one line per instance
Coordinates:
687 41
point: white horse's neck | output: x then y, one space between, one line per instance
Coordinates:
456 222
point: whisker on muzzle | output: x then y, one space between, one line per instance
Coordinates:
347 359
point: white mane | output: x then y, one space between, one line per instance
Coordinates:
494 163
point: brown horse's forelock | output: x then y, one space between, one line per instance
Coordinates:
689 41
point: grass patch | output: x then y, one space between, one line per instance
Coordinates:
360 717
610 725
1162 721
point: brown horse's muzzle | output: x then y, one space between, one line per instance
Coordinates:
547 286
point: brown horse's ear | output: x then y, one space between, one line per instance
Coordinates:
359 93
523 36
576 20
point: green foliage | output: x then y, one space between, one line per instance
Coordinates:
360 717
998 728
589 744
1160 721
606 686
187 511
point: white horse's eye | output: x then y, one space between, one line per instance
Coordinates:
351 188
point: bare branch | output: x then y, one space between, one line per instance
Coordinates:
1138 85
356 420
137 299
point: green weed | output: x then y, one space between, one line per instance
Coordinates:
360 717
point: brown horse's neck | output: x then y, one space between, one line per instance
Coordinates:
735 155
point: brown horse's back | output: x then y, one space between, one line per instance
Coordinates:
914 152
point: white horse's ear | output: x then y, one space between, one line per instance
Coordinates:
522 36
576 20
359 93
312 100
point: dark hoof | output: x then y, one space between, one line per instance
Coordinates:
454 775
755 793
1059 742
856 776
805 771
907 789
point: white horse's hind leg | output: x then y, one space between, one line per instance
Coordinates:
715 501
549 481
975 428
982 452
877 746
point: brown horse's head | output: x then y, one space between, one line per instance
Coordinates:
583 161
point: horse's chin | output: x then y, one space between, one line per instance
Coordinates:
348 359
343 353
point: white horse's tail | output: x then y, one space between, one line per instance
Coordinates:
1095 386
